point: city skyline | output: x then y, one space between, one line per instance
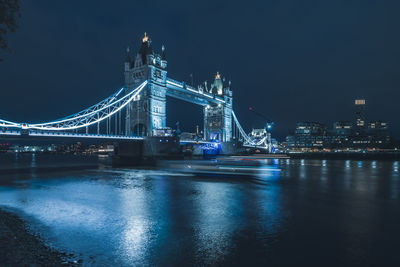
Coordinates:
281 84
199 133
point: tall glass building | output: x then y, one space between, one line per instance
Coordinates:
360 116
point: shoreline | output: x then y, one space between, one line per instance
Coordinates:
19 247
346 155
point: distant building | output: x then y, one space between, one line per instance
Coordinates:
360 116
378 127
310 128
343 128
344 135
340 135
307 135
377 132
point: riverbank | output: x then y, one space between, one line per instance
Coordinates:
346 155
19 247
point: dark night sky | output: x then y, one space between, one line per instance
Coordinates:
292 60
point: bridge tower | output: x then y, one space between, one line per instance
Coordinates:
148 111
218 117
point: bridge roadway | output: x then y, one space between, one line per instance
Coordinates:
188 93
20 134
16 135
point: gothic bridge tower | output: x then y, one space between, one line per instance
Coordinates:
218 117
148 111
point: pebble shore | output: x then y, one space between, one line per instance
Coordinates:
19 247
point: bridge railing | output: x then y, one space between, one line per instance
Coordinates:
94 114
182 86
110 106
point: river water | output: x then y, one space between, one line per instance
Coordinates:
298 212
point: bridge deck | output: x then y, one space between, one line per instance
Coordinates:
190 94
11 133
20 134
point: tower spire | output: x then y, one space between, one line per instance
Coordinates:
145 48
128 56
163 57
145 38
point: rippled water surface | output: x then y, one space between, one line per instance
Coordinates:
299 212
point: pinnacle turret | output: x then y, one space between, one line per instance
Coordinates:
128 56
163 57
145 49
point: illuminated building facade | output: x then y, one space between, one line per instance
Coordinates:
378 132
148 112
313 135
218 117
360 116
308 135
146 115
340 135
344 128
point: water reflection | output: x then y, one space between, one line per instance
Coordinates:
33 161
324 171
347 164
303 172
135 224
373 164
347 175
215 226
128 217
395 186
269 209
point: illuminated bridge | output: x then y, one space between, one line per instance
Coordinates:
138 109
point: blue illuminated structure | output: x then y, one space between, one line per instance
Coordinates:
141 105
